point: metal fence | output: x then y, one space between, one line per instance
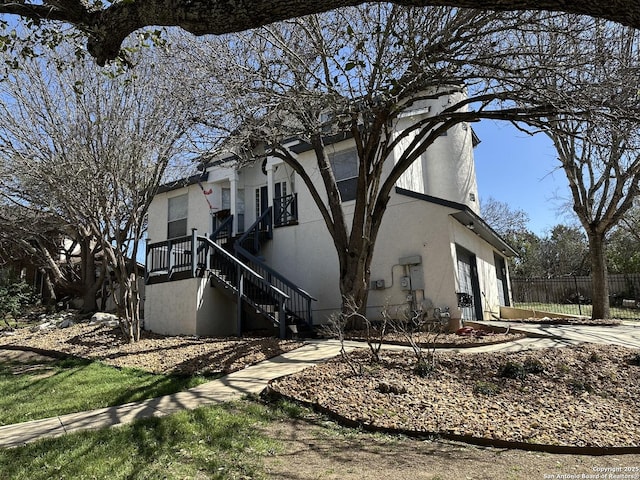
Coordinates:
572 295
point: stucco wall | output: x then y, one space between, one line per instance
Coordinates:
189 307
171 307
305 253
485 260
198 212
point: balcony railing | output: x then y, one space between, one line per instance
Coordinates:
285 210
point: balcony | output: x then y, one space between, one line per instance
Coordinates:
285 210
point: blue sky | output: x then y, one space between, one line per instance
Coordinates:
522 171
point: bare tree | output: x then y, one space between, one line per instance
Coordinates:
599 150
107 24
91 146
66 260
355 72
503 218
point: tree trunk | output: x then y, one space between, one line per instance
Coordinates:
90 284
599 277
355 275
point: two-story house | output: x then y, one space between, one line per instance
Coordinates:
244 246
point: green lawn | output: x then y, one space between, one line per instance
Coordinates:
219 442
35 391
574 309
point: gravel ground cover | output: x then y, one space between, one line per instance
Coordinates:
475 338
153 353
583 396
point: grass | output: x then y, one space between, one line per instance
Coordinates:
218 442
574 309
34 391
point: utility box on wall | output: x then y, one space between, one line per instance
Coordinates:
417 277
405 283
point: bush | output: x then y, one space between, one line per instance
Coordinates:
533 365
513 370
579 386
14 297
595 357
424 368
486 388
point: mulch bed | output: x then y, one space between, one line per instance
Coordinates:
154 353
583 396
475 338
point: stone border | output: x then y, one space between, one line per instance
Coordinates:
270 393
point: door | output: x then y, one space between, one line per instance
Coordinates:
468 284
262 201
280 213
501 276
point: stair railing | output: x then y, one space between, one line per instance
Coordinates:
286 210
261 229
248 285
298 302
224 231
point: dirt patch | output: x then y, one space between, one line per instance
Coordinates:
583 396
153 353
317 448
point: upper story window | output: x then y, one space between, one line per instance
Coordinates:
226 199
345 169
177 221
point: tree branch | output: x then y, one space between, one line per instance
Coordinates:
107 28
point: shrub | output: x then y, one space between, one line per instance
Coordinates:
533 365
595 357
513 370
424 367
486 388
14 296
579 386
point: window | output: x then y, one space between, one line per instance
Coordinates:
177 221
226 199
345 169
240 209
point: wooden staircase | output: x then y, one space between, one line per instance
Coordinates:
265 299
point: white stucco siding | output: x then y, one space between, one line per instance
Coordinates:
189 307
305 254
413 227
485 258
449 170
446 170
171 307
197 212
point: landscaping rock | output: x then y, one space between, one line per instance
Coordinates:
65 323
564 398
394 388
153 353
102 318
43 327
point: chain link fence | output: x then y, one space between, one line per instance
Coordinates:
571 295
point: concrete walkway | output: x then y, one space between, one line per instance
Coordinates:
253 379
234 386
627 334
